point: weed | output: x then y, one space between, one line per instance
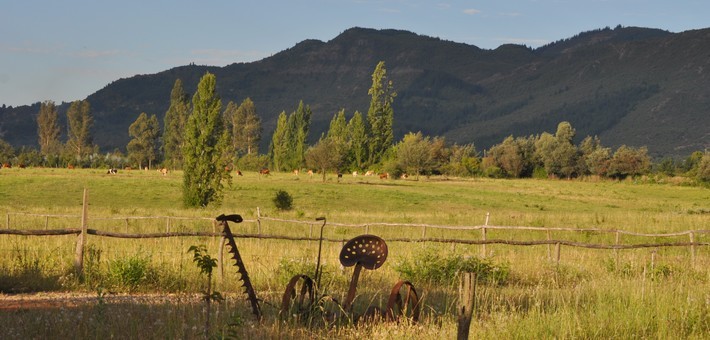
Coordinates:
283 200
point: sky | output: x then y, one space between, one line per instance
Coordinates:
67 50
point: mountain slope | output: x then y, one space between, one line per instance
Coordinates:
633 86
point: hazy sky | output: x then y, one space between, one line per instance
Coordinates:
66 50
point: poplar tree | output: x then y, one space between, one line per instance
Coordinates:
338 134
299 124
143 148
48 129
174 126
358 140
80 122
380 115
278 150
206 140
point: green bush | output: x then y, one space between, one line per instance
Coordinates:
283 200
129 272
437 269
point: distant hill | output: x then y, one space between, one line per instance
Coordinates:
628 85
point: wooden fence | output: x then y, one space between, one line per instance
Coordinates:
83 231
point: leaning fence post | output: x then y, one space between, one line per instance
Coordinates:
467 303
81 240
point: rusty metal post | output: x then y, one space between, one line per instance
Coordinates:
81 240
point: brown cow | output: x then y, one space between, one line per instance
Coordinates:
264 171
163 171
239 173
385 175
6 165
70 166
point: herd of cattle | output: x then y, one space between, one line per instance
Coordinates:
263 171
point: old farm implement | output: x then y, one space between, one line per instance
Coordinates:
303 293
238 262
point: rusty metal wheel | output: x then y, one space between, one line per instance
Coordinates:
298 296
403 302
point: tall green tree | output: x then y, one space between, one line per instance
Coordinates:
358 141
81 122
48 129
338 134
174 126
246 128
278 149
299 125
7 152
206 140
143 148
380 115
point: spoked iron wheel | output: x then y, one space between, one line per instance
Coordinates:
403 302
298 297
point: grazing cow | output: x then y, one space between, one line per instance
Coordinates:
22 166
385 175
163 171
70 167
239 173
6 165
404 176
354 173
264 171
295 172
340 175
127 168
310 173
112 171
369 173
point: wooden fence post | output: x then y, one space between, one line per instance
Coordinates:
616 251
549 246
483 236
258 221
692 249
220 262
7 221
424 232
81 240
126 226
46 223
557 253
167 224
466 305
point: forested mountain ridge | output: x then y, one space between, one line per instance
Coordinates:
633 86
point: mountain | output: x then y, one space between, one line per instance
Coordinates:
628 85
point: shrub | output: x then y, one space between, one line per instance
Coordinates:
438 269
283 200
128 272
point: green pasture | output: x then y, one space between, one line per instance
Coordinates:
590 293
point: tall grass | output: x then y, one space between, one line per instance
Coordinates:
591 293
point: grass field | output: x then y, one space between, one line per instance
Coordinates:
644 293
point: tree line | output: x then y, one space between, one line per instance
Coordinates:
203 139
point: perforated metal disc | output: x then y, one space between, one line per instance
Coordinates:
368 250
